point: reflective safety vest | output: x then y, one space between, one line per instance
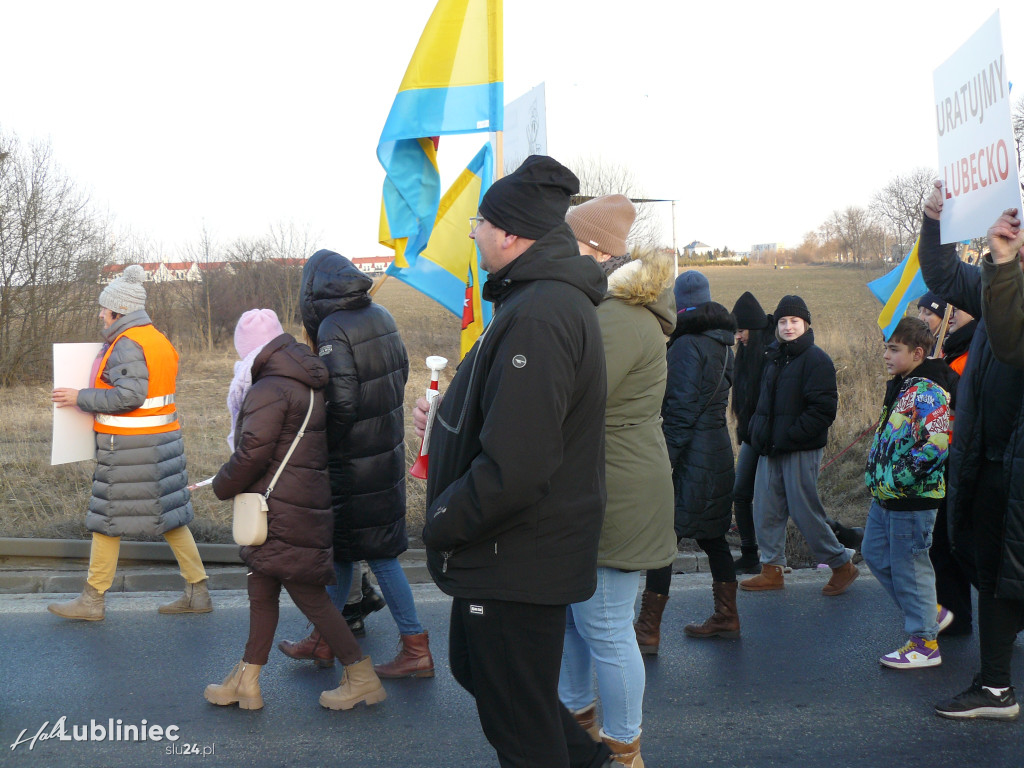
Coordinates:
157 413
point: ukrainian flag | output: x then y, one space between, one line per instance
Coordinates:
897 289
453 85
448 270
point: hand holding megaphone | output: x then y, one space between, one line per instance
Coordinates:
436 364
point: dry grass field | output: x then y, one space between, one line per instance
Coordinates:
39 500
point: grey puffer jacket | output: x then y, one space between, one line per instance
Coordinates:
139 485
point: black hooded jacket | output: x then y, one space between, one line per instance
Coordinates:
798 400
359 343
515 494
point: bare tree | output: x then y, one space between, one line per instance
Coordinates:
899 205
52 247
604 177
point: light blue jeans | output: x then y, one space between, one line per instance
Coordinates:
599 634
393 584
896 548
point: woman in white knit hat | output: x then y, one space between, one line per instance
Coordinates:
139 485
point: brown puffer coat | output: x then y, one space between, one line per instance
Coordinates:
300 523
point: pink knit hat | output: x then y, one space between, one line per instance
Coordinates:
255 328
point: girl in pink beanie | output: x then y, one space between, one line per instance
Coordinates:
255 328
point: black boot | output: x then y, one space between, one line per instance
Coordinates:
353 615
372 599
748 562
851 538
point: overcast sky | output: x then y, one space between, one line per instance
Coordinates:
759 118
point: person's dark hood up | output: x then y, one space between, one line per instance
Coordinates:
330 283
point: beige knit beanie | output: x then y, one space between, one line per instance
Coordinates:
126 293
603 223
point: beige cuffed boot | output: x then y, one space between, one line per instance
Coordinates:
195 599
241 686
587 718
88 606
622 753
358 683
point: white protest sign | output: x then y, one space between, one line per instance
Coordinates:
73 437
977 157
526 131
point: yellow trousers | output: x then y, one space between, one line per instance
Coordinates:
104 551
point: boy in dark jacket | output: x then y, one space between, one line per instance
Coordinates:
788 430
906 476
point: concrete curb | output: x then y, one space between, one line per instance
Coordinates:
58 566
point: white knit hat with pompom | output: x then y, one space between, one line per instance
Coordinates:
126 293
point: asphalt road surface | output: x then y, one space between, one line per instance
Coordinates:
801 688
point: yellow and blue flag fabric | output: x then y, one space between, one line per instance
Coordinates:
897 289
453 84
448 270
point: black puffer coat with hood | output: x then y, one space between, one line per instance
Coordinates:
359 342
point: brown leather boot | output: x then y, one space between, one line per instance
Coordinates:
587 718
725 621
313 648
195 599
241 686
413 659
624 754
358 683
842 578
770 577
648 623
88 606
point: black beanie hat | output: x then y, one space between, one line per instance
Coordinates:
933 302
532 200
792 306
748 313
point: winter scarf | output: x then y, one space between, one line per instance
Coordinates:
241 383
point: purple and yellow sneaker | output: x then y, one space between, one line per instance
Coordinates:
945 618
917 653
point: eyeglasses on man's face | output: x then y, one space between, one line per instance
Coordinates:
474 223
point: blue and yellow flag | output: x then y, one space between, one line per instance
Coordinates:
897 289
448 270
453 85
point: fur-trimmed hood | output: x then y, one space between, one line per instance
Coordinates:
647 282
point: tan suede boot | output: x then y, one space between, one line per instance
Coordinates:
842 578
725 621
413 659
358 683
241 686
195 599
622 753
88 606
587 718
770 578
648 623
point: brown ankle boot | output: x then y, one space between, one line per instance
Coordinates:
587 718
648 623
413 659
313 648
725 621
88 606
624 754
842 578
195 599
769 578
241 686
358 683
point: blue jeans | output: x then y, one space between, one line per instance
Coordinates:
896 548
393 584
599 633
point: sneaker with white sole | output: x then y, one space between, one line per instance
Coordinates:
979 702
916 654
945 618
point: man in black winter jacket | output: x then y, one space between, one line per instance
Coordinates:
515 493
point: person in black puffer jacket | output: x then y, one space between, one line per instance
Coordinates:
788 430
359 343
280 441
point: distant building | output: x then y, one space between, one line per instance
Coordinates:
760 251
696 248
373 265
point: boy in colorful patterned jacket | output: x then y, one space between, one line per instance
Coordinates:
906 476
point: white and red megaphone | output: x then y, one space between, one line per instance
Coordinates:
436 364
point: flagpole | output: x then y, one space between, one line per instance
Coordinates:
499 154
944 326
